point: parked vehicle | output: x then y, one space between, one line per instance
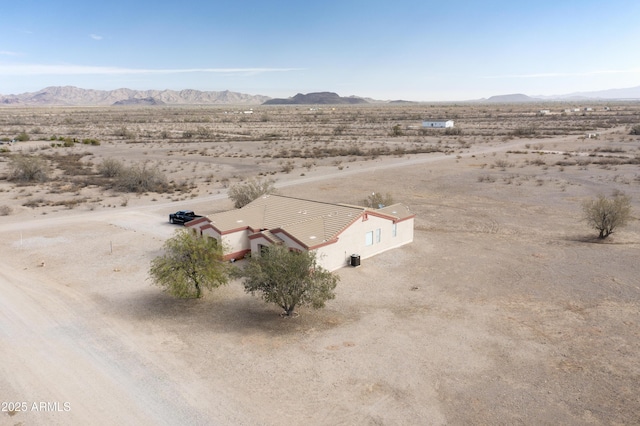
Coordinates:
182 216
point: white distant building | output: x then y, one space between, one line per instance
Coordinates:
437 123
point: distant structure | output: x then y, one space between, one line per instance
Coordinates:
437 123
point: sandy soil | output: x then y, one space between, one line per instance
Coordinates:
504 310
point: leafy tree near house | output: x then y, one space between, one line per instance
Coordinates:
288 278
607 214
190 263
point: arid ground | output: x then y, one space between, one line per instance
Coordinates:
504 310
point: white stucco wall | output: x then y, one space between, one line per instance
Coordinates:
353 239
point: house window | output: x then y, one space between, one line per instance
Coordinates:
394 229
368 240
378 235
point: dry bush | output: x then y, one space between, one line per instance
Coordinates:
378 200
606 214
502 164
243 193
486 178
110 167
5 210
141 179
28 168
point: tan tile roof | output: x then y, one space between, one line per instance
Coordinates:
312 223
398 211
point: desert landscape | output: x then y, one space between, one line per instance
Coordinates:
506 308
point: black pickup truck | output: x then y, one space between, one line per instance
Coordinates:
183 216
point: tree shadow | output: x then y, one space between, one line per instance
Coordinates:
221 311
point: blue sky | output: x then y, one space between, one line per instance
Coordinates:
415 50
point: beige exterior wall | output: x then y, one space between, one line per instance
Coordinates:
236 241
354 241
333 256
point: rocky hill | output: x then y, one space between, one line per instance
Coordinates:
74 96
317 98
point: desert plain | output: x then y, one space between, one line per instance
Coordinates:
505 309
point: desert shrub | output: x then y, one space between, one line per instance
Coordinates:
378 200
203 133
635 130
502 164
339 129
141 179
28 168
110 167
288 167
453 131
23 137
243 193
606 214
5 210
125 133
524 131
90 141
396 130
486 178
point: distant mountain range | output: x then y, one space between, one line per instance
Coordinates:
317 98
74 96
630 93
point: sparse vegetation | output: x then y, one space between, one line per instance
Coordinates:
141 178
243 193
607 214
378 200
110 167
28 169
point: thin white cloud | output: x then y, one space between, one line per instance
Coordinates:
96 36
8 53
39 69
566 74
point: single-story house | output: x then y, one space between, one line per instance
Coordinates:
437 123
336 232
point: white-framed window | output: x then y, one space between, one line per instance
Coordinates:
394 230
378 235
368 238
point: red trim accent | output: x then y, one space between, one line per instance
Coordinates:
237 255
197 221
326 243
278 230
231 231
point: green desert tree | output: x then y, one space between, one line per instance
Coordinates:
288 278
190 263
243 193
606 214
